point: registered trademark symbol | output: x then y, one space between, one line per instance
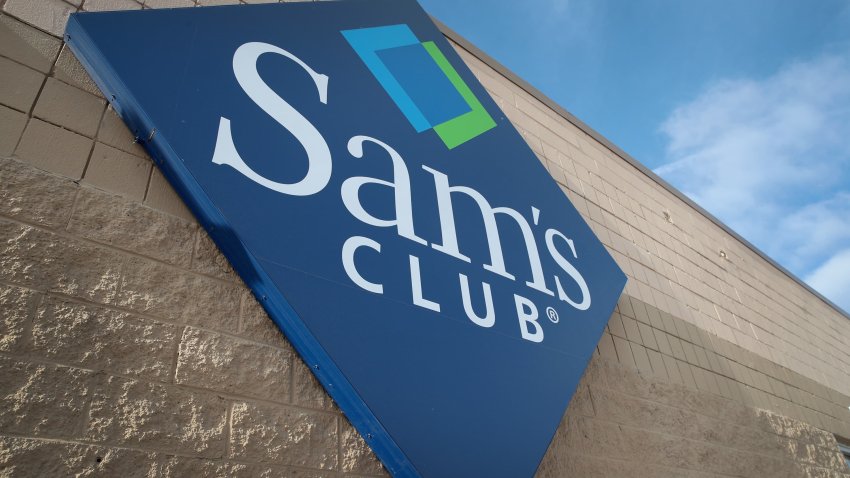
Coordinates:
552 314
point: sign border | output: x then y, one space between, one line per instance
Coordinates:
249 268
332 379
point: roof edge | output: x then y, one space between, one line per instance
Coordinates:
551 104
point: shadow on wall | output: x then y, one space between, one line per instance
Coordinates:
623 422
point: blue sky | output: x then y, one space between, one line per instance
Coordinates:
744 106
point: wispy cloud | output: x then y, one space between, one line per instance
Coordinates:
771 158
832 278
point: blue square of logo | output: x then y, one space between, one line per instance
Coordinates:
427 85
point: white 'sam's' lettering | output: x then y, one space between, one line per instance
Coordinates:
317 177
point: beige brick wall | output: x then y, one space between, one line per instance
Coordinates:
627 424
676 264
129 347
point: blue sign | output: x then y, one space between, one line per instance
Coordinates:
387 215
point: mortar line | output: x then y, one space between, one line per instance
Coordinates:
36 359
141 315
68 235
750 408
621 426
93 144
166 452
177 323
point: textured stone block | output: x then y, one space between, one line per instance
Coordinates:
49 15
221 363
306 390
27 45
69 107
581 404
355 454
181 466
28 457
702 358
211 3
495 84
664 450
790 428
169 3
128 225
671 420
161 196
19 85
207 259
69 69
606 348
12 125
602 373
624 306
17 306
264 471
659 370
690 352
111 5
624 352
45 261
35 196
115 133
602 467
41 400
677 348
641 358
283 435
257 325
736 463
662 341
118 172
615 325
647 336
148 415
103 339
705 380
687 374
54 149
587 436
156 289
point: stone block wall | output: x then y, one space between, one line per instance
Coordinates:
623 423
128 347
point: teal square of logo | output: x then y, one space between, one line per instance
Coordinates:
425 83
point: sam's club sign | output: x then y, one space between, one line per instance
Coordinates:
387 215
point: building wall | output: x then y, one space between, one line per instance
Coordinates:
128 347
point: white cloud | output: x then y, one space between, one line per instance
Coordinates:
832 279
815 230
771 158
